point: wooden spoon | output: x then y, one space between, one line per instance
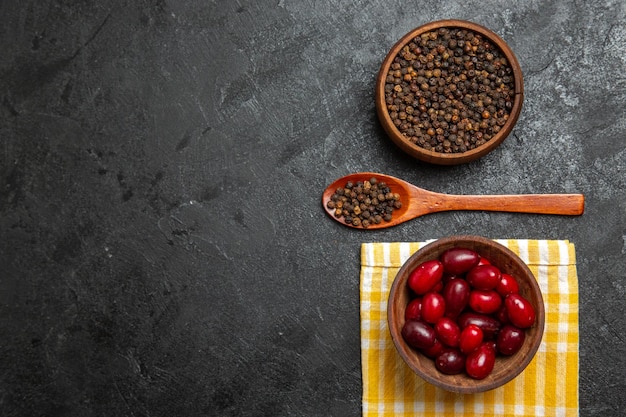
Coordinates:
417 201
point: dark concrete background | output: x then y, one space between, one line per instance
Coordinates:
163 250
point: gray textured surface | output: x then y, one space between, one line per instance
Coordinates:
163 250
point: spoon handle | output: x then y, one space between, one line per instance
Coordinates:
563 204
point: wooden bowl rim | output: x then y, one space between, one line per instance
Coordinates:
444 381
438 157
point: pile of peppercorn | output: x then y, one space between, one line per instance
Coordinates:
364 203
449 90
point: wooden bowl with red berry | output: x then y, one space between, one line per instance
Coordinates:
466 314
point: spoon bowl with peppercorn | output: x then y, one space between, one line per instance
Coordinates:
449 92
369 200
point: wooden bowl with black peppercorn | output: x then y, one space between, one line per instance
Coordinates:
449 92
505 367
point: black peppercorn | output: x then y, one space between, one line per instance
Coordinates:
369 202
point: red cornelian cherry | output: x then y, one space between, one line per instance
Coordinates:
425 276
510 340
450 361
470 339
456 295
418 334
520 311
484 277
507 285
484 301
433 307
447 331
459 260
413 310
480 362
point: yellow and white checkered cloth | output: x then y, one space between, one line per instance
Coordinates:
547 387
